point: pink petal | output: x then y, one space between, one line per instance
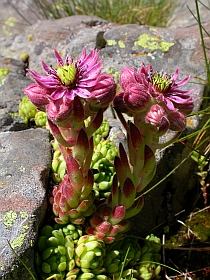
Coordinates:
58 58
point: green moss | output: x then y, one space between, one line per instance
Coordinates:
9 218
18 242
153 43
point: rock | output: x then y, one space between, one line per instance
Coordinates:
24 172
121 45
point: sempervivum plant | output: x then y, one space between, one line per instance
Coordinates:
55 253
149 267
58 166
101 133
74 95
27 110
121 258
103 165
89 253
40 118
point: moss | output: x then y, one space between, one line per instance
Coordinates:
153 43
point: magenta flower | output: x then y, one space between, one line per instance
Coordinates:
136 92
166 90
71 77
158 118
144 88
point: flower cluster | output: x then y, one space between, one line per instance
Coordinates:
154 98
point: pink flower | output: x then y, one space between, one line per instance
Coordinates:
158 118
136 95
166 89
144 88
71 77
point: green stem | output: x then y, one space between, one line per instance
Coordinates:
202 42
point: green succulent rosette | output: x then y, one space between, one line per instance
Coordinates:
89 254
101 133
54 254
149 267
40 118
70 230
121 258
27 110
58 166
103 165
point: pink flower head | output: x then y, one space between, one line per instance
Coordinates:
144 88
136 95
166 90
71 77
157 117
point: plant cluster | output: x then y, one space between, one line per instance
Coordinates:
99 186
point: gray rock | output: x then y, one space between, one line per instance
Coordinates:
24 172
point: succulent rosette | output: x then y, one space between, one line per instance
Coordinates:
55 253
89 253
149 266
27 110
103 165
58 167
122 257
40 118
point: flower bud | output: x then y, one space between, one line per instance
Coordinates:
37 95
177 121
158 118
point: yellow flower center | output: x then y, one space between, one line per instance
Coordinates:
67 74
161 82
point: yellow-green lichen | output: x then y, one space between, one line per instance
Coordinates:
23 214
121 44
153 43
9 218
25 227
18 242
22 169
3 72
8 25
111 42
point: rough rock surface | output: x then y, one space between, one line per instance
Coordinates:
26 154
24 173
